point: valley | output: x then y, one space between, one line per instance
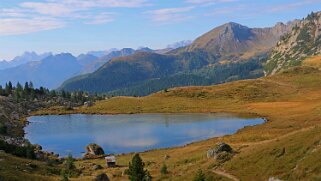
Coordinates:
293 118
265 79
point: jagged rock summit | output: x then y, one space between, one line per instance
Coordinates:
303 41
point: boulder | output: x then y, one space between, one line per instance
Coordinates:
219 148
166 157
102 177
94 149
97 167
37 147
88 104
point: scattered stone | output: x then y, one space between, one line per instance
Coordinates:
94 149
274 179
166 157
102 177
37 147
97 167
2 151
219 148
15 116
88 104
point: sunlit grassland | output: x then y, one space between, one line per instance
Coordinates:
287 146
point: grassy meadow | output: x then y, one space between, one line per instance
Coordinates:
287 146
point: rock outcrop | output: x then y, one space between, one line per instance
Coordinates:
304 40
94 149
218 149
102 177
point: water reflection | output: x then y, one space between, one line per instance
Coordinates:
129 133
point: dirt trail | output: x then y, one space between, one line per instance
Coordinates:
227 175
277 138
234 178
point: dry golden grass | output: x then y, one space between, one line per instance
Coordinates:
288 146
313 62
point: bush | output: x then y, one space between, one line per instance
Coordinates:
3 128
70 168
200 176
64 176
164 169
20 151
26 151
69 163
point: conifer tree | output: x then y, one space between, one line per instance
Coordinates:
136 170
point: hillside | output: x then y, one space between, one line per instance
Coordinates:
286 147
304 40
233 38
227 53
98 62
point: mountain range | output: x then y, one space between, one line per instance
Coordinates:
226 53
49 72
22 59
36 68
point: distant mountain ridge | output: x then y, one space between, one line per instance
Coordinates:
179 44
49 72
33 67
22 59
228 52
302 41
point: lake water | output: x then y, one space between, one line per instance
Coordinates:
129 133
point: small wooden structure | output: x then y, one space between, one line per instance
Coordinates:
110 161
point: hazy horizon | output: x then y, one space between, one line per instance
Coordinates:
79 26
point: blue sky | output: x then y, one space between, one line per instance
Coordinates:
78 26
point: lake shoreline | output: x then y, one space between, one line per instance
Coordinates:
150 119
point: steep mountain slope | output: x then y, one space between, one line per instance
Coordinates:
234 39
49 72
124 72
95 64
304 40
229 52
86 59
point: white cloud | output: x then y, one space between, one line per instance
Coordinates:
291 6
170 15
68 7
14 12
208 2
102 18
31 16
15 26
52 9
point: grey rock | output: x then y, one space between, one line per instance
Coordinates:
219 148
166 157
102 177
274 179
94 149
88 104
97 167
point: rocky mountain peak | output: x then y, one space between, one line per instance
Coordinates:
302 41
233 38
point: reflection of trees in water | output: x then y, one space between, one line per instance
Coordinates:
166 119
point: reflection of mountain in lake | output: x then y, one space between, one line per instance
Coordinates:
129 133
